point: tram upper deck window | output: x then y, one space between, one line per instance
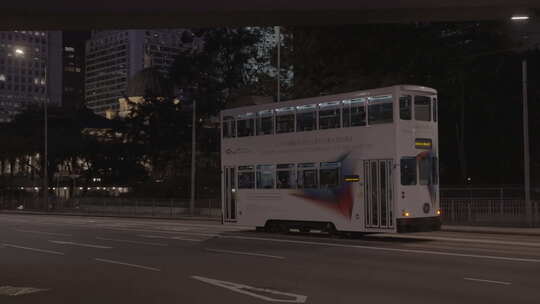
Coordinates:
245 125
329 174
229 127
246 177
286 176
265 176
422 108
408 171
265 122
285 120
354 112
435 113
405 107
307 176
329 115
305 118
380 110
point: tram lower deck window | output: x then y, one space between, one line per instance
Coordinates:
265 176
435 171
329 175
246 177
408 171
307 176
425 170
286 176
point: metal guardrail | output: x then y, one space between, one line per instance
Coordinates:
495 212
122 206
463 206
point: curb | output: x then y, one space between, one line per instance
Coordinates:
491 230
189 218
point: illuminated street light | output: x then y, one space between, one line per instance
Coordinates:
19 52
526 149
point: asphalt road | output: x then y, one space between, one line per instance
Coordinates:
62 259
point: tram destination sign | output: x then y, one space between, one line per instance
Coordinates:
423 143
352 178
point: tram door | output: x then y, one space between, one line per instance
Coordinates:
229 206
378 194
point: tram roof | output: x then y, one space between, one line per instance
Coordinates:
328 98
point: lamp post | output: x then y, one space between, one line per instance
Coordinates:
20 52
193 167
45 145
526 149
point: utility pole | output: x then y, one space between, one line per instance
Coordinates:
526 152
45 145
193 167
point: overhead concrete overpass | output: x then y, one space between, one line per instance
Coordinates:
73 14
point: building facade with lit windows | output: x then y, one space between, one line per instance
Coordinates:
30 70
114 57
73 60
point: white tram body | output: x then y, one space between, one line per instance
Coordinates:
364 161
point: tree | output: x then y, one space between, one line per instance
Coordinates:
475 85
157 132
224 62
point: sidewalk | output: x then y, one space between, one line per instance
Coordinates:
494 230
181 217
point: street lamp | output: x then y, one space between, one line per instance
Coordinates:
526 149
519 18
19 52
193 152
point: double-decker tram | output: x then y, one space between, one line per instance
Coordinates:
364 161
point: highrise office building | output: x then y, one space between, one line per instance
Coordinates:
74 48
114 57
30 70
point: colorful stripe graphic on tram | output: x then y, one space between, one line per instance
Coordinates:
339 199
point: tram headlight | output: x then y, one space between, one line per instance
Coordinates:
439 212
406 213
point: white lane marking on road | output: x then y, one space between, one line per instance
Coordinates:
164 231
462 240
250 291
132 242
80 244
502 258
488 281
168 238
245 253
127 264
18 291
42 232
33 249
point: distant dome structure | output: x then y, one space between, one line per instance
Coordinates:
150 82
